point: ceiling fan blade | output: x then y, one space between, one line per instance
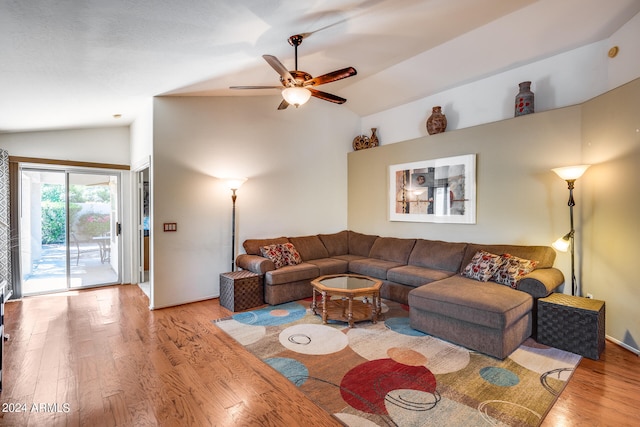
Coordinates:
283 105
255 87
327 96
331 77
280 69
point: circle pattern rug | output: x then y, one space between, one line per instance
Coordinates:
388 374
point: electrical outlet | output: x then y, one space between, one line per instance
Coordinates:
589 296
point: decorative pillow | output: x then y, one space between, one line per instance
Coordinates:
483 266
281 254
275 254
291 254
513 269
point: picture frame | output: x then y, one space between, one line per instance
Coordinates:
439 190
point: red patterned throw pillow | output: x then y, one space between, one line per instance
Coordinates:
513 269
275 254
281 254
291 254
483 266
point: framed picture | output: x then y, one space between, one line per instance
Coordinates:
438 190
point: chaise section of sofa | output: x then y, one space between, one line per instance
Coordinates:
485 316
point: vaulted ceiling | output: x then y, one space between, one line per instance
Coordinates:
76 63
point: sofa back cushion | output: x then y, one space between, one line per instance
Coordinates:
437 254
337 243
392 249
545 255
252 246
309 247
360 244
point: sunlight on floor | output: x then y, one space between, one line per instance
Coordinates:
48 273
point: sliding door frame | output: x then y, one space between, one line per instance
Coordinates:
15 166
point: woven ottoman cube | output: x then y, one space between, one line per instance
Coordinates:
572 324
240 290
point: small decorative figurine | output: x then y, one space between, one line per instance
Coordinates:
361 142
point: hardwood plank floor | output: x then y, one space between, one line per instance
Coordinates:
100 357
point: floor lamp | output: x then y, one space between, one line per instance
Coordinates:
234 184
570 174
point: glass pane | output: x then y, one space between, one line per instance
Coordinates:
43 232
93 249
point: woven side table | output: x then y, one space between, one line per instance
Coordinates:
572 323
240 290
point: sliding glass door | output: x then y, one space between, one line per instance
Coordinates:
69 229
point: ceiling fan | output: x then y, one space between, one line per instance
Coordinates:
297 86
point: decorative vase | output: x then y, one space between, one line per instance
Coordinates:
524 100
373 140
437 122
361 142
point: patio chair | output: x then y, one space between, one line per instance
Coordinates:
83 249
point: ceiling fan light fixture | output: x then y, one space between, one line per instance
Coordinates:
296 95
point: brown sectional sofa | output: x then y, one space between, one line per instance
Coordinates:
425 274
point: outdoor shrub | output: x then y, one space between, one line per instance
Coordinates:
54 221
93 224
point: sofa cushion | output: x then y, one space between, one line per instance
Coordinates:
437 254
360 244
309 247
337 243
512 270
545 255
482 266
252 246
372 267
392 249
291 273
330 265
414 276
349 257
484 303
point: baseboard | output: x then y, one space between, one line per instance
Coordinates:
177 303
623 345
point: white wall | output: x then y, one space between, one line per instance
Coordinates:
626 65
99 145
566 79
296 164
141 137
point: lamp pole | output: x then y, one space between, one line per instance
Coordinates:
233 229
234 184
570 174
571 204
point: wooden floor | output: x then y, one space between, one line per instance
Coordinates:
100 357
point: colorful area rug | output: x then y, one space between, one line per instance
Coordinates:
387 374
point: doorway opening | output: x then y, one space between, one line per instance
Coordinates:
69 229
144 231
